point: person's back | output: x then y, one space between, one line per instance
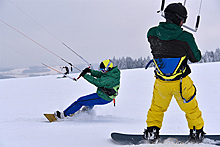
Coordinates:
171 48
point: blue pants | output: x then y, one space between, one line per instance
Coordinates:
88 100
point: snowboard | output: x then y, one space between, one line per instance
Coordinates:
136 139
52 118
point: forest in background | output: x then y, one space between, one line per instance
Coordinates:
129 63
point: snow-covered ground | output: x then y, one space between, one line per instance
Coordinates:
24 100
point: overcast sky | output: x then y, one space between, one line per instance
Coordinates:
95 29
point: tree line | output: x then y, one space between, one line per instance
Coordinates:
129 63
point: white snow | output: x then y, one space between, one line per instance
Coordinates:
24 100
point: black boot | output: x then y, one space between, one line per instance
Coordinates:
152 134
59 114
196 136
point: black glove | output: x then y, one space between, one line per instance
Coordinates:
85 71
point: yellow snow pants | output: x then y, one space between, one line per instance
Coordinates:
162 95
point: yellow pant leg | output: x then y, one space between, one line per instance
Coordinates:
191 109
162 96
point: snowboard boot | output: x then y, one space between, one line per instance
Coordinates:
196 136
59 115
152 134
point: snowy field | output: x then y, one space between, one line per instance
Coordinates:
24 100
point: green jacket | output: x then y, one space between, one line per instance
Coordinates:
169 40
106 80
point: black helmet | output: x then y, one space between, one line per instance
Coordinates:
175 12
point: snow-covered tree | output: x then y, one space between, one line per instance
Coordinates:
217 55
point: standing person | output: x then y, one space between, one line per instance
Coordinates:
171 47
107 81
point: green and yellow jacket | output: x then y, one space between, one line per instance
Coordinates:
107 80
169 41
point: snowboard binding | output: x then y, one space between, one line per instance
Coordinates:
196 136
152 134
